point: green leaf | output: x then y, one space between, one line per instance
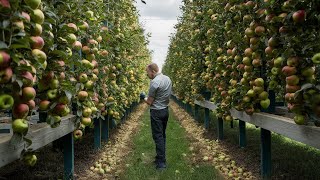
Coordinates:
20 46
68 94
16 139
3 45
53 105
19 82
28 141
5 24
79 113
59 53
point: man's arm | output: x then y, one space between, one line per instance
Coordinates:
149 100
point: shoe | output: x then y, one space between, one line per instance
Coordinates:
161 166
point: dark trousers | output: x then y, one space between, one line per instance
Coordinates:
159 119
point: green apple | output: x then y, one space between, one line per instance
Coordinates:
63 100
86 121
251 93
71 38
34 4
37 16
86 112
30 159
39 55
89 84
6 101
52 93
77 134
265 103
299 119
83 78
54 84
263 96
316 58
20 126
94 109
259 82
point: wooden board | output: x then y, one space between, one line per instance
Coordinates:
309 135
206 104
40 134
285 126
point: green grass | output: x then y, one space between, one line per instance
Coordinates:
178 167
290 159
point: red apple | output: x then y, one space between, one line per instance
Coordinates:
20 111
27 78
26 16
292 80
72 28
288 70
299 16
259 30
28 93
44 105
82 95
36 42
5 75
31 104
5 59
77 45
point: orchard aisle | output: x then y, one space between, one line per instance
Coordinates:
183 160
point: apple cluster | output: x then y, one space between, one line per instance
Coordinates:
240 50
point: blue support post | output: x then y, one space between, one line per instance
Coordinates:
265 154
68 156
220 128
105 129
206 118
207 96
242 134
196 112
97 133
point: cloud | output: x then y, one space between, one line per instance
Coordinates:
158 17
164 9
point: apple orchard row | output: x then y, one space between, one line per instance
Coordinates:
244 50
54 54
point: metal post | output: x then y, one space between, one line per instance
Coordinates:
220 128
97 133
68 155
242 134
265 154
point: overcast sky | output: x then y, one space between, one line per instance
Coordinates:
158 17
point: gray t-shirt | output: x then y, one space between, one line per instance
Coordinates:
160 90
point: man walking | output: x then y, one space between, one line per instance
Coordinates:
158 99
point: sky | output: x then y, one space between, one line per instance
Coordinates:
158 17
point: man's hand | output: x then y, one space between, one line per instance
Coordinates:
149 100
142 96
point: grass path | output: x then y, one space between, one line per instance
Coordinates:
140 162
